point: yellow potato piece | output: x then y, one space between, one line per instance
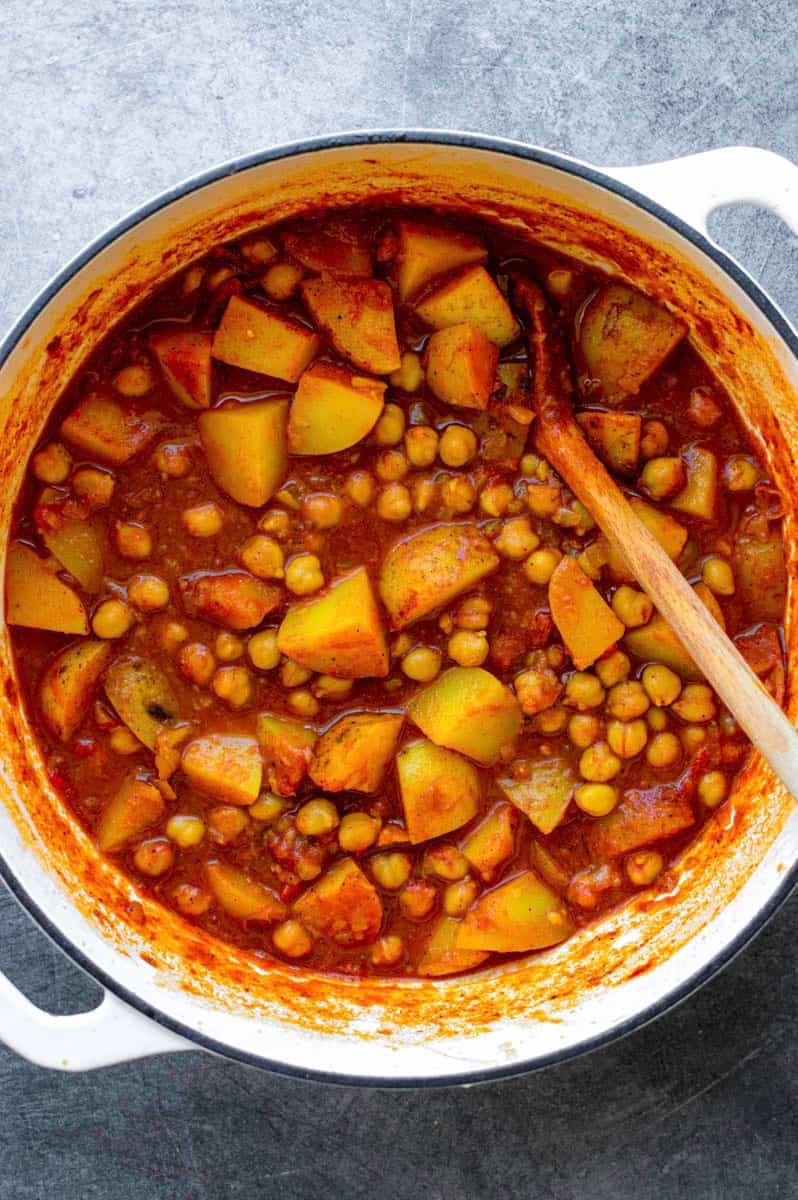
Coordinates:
353 754
760 574
545 794
521 914
184 356
585 621
225 766
287 748
427 249
430 568
332 409
624 337
471 297
492 843
142 697
339 248
133 809
78 546
461 366
615 437
339 631
440 790
36 597
242 897
107 431
246 448
441 955
264 340
358 318
666 529
658 642
68 685
699 496
343 905
469 710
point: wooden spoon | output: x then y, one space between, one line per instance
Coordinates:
560 440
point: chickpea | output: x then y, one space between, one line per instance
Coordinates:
583 690
410 374
262 650
281 281
358 832
303 703
219 276
425 493
417 899
712 788
52 464
540 565
702 408
259 250
391 465
692 737
446 861
695 704
422 664
135 380
112 619
292 939
468 648
172 635
662 477
233 685
728 726
122 741
263 556
661 684
276 522
552 720
654 440
596 799
598 764
657 719
317 818
360 488
390 429
228 647
473 612
543 499
227 822
173 460
196 663
663 750
559 282
517 539
644 867
387 951
393 503
293 675
268 808
627 738
593 559
132 540
328 687
583 730
191 900
536 690
203 520
458 445
421 445
632 607
303 575
94 486
627 700
555 657
458 493
613 669
154 857
192 280
391 871
322 510
148 593
740 474
495 499
458 897
185 830
718 575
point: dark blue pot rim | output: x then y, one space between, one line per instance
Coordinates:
365 138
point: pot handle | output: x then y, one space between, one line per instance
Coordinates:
113 1032
694 186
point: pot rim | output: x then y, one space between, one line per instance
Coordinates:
367 137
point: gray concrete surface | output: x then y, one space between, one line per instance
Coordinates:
105 102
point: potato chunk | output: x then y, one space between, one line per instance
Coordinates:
428 569
357 316
353 754
142 697
78 546
108 431
68 685
440 790
492 843
233 598
699 496
585 621
339 631
615 437
521 914
242 897
36 597
467 709
287 748
427 250
666 529
332 409
441 955
184 356
624 337
471 297
461 366
246 448
338 248
544 795
658 642
136 806
343 906
644 816
760 573
225 766
264 340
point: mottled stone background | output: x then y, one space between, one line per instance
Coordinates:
105 102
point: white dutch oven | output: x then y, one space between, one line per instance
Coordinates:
169 987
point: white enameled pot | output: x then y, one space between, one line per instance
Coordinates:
168 987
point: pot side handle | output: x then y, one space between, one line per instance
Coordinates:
113 1032
694 186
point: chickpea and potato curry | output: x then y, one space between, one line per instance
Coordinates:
324 653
